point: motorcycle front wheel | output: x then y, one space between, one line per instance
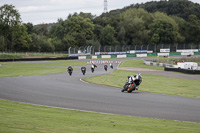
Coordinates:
132 88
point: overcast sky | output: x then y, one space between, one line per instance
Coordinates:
48 11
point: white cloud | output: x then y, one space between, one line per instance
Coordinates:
32 8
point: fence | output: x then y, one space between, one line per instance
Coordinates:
90 50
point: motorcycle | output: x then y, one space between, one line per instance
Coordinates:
70 73
132 83
70 70
105 67
92 69
111 66
83 69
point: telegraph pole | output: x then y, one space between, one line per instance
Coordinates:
105 6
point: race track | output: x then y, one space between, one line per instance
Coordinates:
62 90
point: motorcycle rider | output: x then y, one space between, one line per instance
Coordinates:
111 66
105 67
92 68
70 70
95 66
137 78
83 69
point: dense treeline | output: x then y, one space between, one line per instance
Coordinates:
179 8
164 22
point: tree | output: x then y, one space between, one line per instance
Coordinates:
162 32
135 23
30 28
86 15
58 30
9 17
97 31
80 29
41 44
193 28
20 38
182 29
108 36
121 36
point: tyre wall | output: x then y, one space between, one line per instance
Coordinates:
188 71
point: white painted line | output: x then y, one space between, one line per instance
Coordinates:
84 81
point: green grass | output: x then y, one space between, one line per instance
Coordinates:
14 70
24 118
138 64
151 83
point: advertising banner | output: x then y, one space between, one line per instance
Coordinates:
165 50
187 50
110 53
137 51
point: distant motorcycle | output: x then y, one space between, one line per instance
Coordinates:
70 73
111 66
92 68
105 67
83 70
132 83
70 70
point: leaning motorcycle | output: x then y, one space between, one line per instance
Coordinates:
132 83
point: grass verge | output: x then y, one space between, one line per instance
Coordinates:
14 70
138 64
151 83
25 118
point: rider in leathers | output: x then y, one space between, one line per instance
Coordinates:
137 78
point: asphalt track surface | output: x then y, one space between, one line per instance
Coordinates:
64 91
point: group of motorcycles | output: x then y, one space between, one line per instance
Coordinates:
83 69
133 82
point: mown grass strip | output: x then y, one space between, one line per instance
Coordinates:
26 118
138 64
22 69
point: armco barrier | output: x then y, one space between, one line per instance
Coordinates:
188 71
157 64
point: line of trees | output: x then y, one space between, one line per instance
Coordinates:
152 23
